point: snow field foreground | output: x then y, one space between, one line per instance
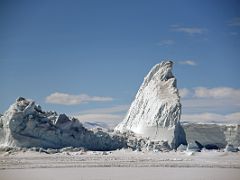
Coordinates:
118 158
120 164
122 173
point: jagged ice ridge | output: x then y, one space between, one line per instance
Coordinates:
156 109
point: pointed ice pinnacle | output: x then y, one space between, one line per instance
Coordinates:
156 109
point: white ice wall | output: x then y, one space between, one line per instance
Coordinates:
216 134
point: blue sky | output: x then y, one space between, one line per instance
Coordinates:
90 57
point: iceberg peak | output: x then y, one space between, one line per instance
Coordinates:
156 109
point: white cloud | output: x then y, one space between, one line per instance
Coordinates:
197 105
202 99
188 30
69 99
184 92
114 109
212 117
110 116
233 116
207 103
234 22
188 62
219 92
99 117
167 42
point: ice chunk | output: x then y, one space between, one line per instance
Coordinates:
230 148
193 147
182 147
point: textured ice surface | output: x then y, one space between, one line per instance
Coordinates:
156 109
212 134
24 124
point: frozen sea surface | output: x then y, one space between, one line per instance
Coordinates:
120 164
120 173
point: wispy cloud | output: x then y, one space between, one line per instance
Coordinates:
167 42
202 99
70 99
114 109
212 118
188 62
219 92
202 104
110 116
184 92
234 22
99 117
189 30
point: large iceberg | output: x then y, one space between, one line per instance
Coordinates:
25 124
156 109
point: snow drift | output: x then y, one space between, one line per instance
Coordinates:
25 124
156 109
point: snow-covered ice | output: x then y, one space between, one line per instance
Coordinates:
25 124
120 164
156 109
122 173
212 135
